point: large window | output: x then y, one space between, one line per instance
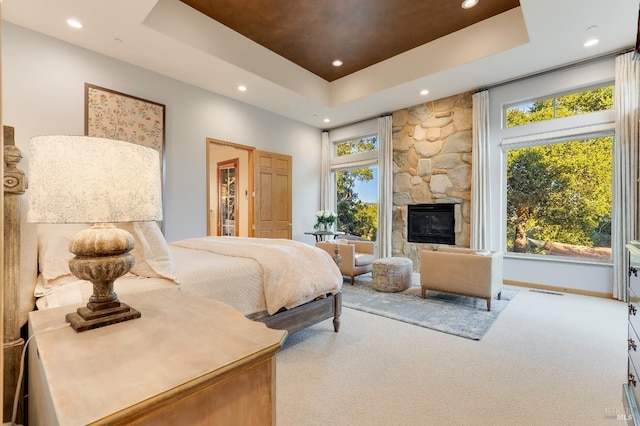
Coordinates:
356 176
559 189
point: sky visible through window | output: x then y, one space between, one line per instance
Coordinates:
368 191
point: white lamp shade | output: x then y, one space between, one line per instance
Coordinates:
82 179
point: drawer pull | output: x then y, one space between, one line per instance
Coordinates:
633 271
632 344
632 380
632 309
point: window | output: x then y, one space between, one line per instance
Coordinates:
356 176
559 184
559 199
575 103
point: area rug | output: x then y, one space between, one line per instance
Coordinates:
458 315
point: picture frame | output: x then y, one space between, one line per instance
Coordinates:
115 115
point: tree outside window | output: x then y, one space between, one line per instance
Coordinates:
559 196
357 217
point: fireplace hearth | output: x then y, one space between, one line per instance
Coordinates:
431 223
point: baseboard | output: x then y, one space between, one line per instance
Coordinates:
559 289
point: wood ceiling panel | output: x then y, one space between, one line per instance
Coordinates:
361 33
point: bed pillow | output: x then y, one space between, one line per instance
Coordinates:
151 251
54 254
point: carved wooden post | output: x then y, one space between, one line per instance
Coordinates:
14 186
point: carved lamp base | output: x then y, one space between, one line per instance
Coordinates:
102 256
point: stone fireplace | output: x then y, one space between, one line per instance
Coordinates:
432 165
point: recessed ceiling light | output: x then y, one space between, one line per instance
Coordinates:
326 120
468 4
424 92
591 42
242 88
592 33
74 23
337 63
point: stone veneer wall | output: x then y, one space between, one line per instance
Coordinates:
432 164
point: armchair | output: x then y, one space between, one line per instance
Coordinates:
357 256
466 272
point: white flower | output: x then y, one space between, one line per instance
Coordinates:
326 213
319 213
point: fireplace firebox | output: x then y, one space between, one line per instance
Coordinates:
431 223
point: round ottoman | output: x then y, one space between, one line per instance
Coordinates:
392 274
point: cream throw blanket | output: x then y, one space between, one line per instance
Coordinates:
293 273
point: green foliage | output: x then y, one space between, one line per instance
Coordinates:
586 101
560 192
354 216
325 219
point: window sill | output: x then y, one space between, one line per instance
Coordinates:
557 259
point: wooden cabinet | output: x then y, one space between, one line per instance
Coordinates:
631 389
187 360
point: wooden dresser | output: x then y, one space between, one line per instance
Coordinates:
188 360
631 390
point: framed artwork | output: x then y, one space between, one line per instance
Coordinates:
114 115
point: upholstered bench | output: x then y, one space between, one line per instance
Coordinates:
392 274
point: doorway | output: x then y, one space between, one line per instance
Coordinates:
229 214
262 203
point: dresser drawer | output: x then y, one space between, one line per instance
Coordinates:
634 278
634 381
634 312
634 345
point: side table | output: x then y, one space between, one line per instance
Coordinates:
324 235
187 360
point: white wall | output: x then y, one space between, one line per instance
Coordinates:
43 93
595 277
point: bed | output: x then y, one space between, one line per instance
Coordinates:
246 273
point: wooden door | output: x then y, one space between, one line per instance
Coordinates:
273 195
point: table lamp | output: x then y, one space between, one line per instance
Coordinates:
81 179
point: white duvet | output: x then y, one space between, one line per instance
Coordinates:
293 273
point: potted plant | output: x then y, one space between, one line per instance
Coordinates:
325 220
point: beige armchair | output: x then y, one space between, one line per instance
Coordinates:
357 256
468 272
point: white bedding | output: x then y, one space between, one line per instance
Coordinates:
235 281
292 273
78 291
303 274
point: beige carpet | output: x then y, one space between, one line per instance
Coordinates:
548 360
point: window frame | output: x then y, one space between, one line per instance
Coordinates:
560 94
581 126
353 161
